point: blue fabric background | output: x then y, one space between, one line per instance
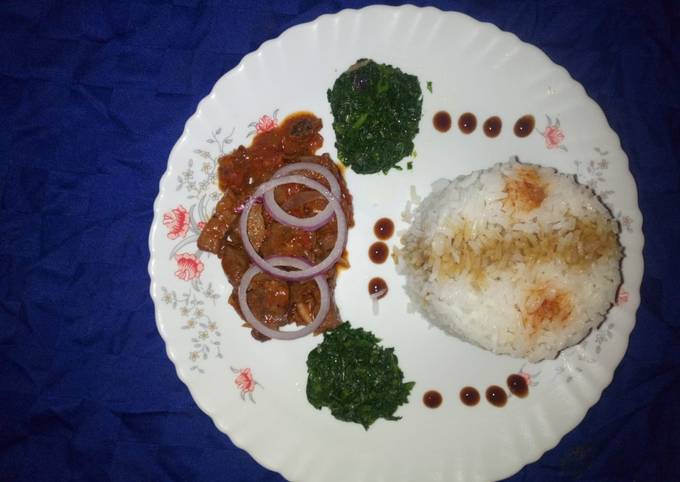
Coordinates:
94 94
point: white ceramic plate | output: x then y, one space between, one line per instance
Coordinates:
255 392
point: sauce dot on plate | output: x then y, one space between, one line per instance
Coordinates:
442 121
492 126
524 125
496 396
469 396
518 385
384 228
432 399
376 285
467 123
378 252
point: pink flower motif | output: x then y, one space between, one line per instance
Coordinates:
177 222
622 297
265 124
201 225
553 137
244 381
188 266
530 378
526 376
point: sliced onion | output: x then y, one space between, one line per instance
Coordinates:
309 272
312 166
312 223
324 307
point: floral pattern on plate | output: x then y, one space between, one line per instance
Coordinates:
245 382
204 333
553 134
264 124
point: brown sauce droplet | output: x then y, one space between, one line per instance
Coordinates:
376 285
496 396
384 228
524 125
518 385
378 252
467 123
442 121
432 399
492 126
469 396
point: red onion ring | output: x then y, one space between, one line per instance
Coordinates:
302 274
308 224
324 306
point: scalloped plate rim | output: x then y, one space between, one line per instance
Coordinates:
184 376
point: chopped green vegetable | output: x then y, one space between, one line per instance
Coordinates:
376 110
429 86
359 380
409 165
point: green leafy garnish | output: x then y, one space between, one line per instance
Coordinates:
429 86
359 380
376 110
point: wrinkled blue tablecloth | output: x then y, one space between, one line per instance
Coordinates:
93 95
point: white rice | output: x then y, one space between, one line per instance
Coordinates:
518 259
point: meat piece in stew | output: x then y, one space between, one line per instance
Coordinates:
276 303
